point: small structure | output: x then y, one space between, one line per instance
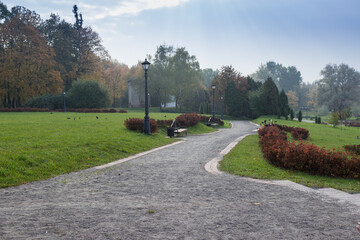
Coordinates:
136 97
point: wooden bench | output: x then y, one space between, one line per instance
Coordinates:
177 130
211 123
180 131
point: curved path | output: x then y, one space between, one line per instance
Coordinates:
168 194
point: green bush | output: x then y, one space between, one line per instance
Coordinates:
88 94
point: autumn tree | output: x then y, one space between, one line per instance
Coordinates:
293 99
115 80
27 61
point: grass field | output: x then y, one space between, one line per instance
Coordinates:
246 158
35 146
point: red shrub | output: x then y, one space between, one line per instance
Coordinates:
306 157
122 111
137 124
164 123
355 149
188 119
296 132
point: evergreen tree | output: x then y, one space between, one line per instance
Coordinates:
291 114
283 104
270 97
300 116
233 100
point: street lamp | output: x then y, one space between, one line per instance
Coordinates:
222 102
213 107
64 101
146 66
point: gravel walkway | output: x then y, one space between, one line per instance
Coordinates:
167 194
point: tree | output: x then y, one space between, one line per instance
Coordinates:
339 87
161 80
115 80
60 36
291 114
27 66
334 119
286 78
208 76
88 94
356 110
300 116
233 100
186 74
289 78
283 104
271 97
88 49
293 99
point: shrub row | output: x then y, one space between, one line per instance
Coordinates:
27 109
354 149
188 119
80 110
306 157
354 124
137 124
296 132
92 110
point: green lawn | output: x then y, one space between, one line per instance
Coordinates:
246 158
35 146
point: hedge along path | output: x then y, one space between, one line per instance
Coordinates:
167 194
306 157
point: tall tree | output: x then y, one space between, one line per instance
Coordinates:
27 61
339 87
287 78
88 49
283 104
186 73
233 100
161 82
60 36
270 97
208 76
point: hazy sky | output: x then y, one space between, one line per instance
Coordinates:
307 34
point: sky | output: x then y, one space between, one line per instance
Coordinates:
307 34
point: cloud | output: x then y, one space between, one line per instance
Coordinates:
127 7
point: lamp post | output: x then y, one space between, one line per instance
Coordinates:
64 102
147 131
213 105
222 102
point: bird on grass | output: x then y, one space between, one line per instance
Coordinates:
97 117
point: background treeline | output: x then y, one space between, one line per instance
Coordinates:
40 60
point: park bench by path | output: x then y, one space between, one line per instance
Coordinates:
176 129
211 123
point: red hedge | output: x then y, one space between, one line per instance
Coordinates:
137 124
306 157
79 110
164 123
355 149
188 119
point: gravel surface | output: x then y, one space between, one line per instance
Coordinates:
167 194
